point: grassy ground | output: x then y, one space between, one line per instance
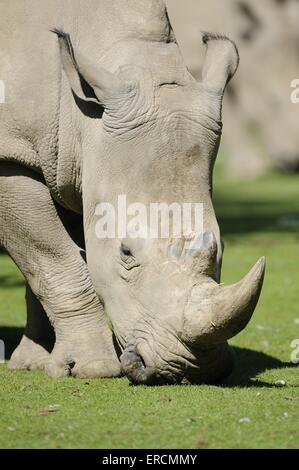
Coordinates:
249 411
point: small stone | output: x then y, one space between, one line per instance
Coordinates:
285 414
261 328
202 444
191 420
265 344
245 419
296 321
258 394
280 383
165 398
11 429
53 408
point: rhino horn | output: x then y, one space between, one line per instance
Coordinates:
88 81
216 313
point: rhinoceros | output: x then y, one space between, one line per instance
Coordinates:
262 121
98 104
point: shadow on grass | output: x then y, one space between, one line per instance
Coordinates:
11 337
11 281
249 364
242 217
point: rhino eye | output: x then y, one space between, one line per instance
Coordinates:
125 251
127 260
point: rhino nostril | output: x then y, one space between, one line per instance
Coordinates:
141 360
134 367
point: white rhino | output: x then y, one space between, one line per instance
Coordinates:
106 107
262 122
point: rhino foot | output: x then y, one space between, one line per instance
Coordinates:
84 362
29 355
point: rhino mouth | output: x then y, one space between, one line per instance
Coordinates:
135 368
211 366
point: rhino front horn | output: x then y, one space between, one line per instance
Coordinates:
215 313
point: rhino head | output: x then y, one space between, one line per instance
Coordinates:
157 140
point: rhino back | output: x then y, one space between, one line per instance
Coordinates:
29 70
30 117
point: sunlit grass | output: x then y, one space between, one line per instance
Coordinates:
250 410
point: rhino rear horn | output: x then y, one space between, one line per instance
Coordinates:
221 61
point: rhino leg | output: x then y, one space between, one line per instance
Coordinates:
37 342
36 239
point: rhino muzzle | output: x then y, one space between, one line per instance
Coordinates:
212 366
134 367
212 315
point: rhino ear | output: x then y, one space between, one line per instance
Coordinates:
221 61
89 82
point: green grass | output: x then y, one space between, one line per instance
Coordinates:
259 218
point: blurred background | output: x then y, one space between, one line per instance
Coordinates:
260 121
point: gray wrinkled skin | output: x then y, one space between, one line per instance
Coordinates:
261 122
103 106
